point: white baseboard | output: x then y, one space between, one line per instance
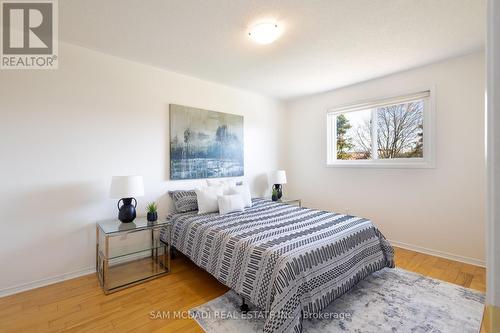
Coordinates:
45 282
436 253
63 277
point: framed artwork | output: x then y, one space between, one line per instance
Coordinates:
205 144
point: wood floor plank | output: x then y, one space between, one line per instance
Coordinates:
79 305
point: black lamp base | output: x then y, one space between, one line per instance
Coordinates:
277 192
126 213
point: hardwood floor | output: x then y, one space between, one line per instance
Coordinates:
491 320
79 305
465 275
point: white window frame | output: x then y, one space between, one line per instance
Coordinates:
427 161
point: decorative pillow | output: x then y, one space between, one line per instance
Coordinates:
230 203
207 199
244 190
184 201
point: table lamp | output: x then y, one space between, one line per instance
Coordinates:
277 178
126 188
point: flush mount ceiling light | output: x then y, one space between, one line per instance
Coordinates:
264 33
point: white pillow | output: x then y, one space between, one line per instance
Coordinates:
244 190
224 183
207 199
230 203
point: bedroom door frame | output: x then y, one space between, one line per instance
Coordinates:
493 153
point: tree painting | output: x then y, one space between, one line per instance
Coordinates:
205 144
187 139
221 137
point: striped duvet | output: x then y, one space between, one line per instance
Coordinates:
289 261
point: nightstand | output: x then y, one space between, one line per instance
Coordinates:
131 253
289 201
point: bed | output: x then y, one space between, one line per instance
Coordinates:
289 261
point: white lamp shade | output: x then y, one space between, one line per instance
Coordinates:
126 187
277 177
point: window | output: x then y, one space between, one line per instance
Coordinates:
393 132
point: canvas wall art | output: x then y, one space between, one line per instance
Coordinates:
205 144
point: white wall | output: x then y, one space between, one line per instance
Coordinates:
65 132
492 154
439 210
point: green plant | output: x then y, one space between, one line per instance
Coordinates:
152 207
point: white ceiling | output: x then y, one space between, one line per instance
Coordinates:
326 44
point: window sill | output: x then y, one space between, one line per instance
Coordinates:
381 164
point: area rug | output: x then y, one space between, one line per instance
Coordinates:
390 300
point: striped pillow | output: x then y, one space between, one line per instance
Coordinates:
184 201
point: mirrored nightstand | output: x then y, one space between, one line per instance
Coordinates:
290 201
131 253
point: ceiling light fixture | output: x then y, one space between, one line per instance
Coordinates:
264 33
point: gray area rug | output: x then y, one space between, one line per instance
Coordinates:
390 300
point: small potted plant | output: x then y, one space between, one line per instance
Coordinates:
152 209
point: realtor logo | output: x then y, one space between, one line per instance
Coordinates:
29 34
